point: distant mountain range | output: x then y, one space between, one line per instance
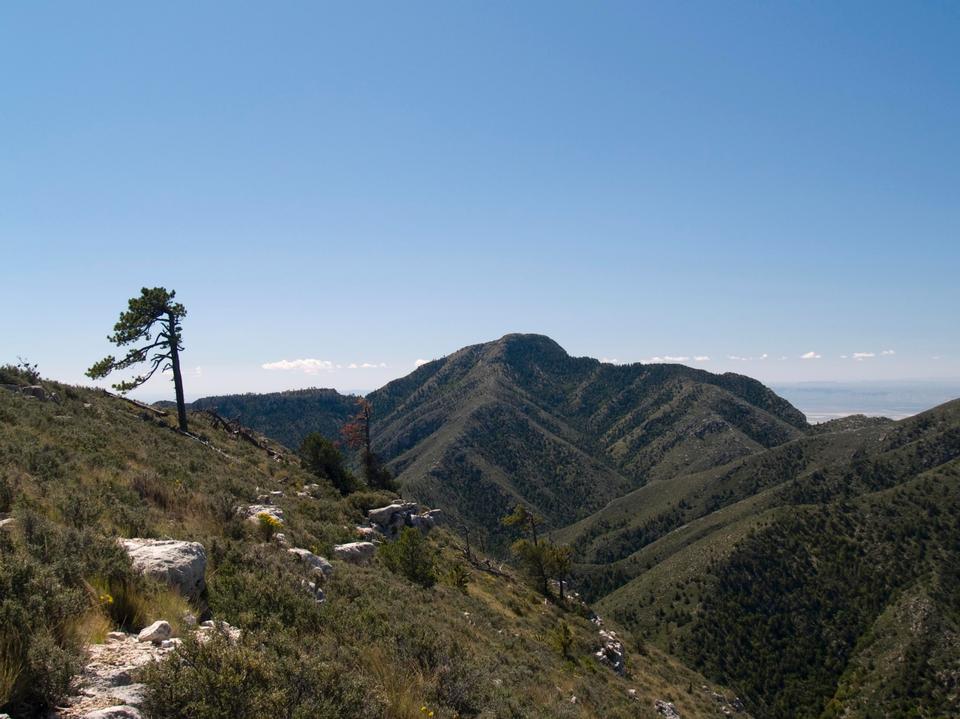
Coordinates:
519 420
814 569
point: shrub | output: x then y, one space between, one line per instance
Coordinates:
267 526
412 556
37 652
458 577
261 676
323 458
561 639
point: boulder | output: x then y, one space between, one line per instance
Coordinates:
666 709
156 632
7 523
384 515
355 552
180 564
435 515
318 565
315 591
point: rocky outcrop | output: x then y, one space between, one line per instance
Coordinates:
666 709
355 552
384 516
179 564
107 688
611 652
317 564
390 520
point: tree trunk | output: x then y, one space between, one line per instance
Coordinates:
177 378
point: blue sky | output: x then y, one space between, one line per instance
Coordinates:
364 183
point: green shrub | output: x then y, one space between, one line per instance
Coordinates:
323 458
561 639
412 556
37 652
457 577
256 677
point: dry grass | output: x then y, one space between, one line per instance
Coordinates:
10 669
402 689
92 627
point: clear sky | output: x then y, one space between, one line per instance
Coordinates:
361 183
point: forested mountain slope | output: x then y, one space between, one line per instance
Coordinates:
519 420
286 417
833 591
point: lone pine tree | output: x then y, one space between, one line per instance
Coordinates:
153 318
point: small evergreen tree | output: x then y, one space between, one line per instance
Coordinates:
558 563
323 458
530 552
152 313
412 556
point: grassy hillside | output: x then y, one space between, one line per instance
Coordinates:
81 468
830 593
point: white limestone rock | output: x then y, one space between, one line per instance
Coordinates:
317 564
156 632
179 564
355 552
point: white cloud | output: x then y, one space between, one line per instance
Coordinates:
860 356
843 356
311 365
611 360
810 355
888 352
701 358
420 362
666 358
783 357
308 365
739 358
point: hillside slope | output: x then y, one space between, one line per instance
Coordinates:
80 468
519 420
830 592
